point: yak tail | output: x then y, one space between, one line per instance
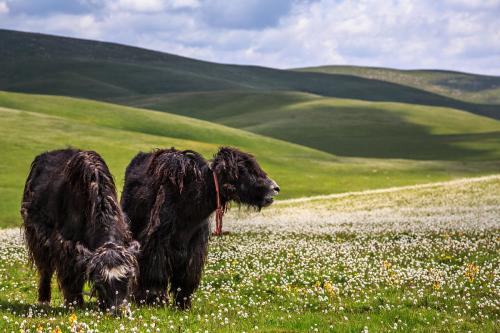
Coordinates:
27 193
88 175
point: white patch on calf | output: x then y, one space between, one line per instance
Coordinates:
115 273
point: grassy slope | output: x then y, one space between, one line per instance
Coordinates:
30 124
463 86
65 66
343 127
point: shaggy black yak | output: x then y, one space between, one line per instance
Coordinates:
74 225
169 196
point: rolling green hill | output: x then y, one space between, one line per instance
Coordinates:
31 124
463 86
37 63
341 126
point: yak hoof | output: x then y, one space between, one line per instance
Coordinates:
151 299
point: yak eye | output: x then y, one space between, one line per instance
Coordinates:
100 290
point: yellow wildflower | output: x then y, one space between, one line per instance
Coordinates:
72 318
329 288
471 272
446 257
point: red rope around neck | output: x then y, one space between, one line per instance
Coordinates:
219 212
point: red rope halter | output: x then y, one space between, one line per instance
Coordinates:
219 212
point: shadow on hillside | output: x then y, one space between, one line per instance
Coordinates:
374 133
353 131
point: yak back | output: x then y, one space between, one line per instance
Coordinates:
162 182
76 193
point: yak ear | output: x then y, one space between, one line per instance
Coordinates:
227 169
134 247
83 254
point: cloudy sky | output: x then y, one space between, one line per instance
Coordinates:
447 34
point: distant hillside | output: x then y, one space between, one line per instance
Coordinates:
31 124
462 86
342 126
37 63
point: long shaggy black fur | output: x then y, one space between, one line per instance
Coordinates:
169 196
73 225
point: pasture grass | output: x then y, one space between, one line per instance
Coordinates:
442 278
32 124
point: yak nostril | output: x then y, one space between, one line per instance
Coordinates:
274 186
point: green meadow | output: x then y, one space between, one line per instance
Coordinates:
423 259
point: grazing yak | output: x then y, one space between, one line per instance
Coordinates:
169 196
73 225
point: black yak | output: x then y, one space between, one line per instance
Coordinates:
169 196
74 225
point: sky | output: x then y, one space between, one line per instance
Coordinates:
461 35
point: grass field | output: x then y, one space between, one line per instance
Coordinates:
31 124
342 126
419 259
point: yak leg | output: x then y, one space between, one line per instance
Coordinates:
71 280
187 270
37 237
153 275
72 288
45 271
44 290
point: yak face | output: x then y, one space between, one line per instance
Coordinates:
245 182
253 187
112 271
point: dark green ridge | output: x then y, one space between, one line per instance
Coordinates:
37 63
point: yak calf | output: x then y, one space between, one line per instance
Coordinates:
73 225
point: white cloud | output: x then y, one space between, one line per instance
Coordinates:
84 26
4 9
149 6
475 4
136 6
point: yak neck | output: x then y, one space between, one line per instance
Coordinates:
214 191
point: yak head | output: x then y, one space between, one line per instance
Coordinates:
242 179
112 271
